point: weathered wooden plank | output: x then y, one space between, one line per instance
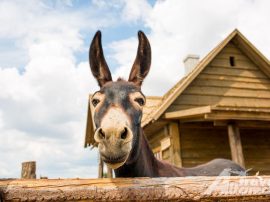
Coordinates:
231 50
100 168
224 55
227 91
199 125
239 64
197 154
206 144
249 124
256 148
192 162
166 155
204 141
201 133
235 72
109 172
175 143
237 115
235 144
28 170
187 113
241 109
245 188
230 45
233 78
230 83
151 129
224 101
237 67
176 107
154 139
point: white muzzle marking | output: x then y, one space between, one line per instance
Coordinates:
112 124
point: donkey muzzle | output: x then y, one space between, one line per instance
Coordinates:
114 144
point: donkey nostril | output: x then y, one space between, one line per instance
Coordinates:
101 134
124 134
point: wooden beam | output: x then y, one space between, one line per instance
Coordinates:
245 124
222 188
196 125
28 170
100 168
235 144
218 123
174 133
237 115
254 124
186 113
109 172
152 129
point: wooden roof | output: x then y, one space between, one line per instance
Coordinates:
242 43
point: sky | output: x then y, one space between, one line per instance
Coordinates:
45 78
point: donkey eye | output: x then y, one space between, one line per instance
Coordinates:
95 102
140 101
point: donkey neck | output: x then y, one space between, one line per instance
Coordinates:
142 162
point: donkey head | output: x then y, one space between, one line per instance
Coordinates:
118 104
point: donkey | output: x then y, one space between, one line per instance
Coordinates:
117 115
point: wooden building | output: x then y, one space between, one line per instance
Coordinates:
220 109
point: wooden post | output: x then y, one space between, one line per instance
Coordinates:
109 172
28 170
165 149
235 144
100 168
175 143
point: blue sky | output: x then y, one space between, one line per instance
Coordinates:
45 78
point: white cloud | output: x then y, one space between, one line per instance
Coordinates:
135 10
43 108
128 11
44 114
124 52
178 28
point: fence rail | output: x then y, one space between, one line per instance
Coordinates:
244 188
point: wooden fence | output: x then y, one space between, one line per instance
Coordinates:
244 188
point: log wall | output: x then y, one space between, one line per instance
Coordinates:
256 149
202 144
222 188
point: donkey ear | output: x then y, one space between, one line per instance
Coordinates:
142 62
98 65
